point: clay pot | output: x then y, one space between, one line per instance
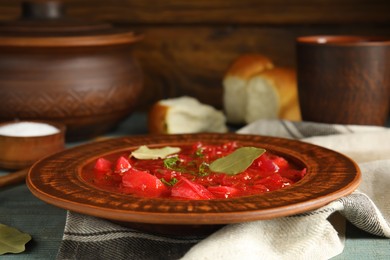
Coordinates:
56 68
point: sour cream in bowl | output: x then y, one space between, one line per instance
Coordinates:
24 142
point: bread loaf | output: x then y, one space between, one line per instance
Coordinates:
184 115
270 92
235 84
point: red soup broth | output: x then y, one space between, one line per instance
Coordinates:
186 175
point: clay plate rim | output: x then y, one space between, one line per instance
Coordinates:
56 180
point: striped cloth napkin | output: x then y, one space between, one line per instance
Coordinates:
316 234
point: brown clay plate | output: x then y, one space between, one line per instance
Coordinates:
57 180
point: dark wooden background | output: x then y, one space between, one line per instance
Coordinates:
189 44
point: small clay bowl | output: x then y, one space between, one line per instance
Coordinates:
39 139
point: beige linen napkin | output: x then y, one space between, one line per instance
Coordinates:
313 235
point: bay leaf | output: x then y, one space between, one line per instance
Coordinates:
236 162
12 240
146 153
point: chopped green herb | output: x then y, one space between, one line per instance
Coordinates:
203 169
199 152
171 162
172 182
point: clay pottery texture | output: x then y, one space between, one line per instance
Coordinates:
58 180
344 79
60 69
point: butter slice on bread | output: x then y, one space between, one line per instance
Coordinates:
184 115
269 93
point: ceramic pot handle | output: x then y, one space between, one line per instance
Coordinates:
42 9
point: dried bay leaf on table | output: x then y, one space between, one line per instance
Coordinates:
12 240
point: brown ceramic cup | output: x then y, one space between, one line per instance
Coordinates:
344 79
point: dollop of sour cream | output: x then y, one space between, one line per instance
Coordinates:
27 129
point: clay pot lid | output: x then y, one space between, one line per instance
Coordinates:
45 24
